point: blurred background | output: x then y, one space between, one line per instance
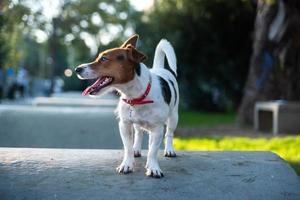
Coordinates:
231 55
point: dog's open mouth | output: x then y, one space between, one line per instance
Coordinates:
100 83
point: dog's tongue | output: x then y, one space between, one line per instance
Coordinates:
91 88
87 91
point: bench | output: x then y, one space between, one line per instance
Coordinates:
278 116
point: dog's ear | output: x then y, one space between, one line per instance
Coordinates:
132 41
135 55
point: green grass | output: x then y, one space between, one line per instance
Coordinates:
287 148
203 119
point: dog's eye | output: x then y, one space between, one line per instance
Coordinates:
103 59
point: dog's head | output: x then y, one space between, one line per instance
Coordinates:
113 66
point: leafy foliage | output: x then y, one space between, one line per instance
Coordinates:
10 32
81 19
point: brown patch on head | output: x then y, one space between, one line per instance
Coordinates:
135 55
119 63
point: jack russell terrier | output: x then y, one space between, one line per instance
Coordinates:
149 98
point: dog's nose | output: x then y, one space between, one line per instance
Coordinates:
78 70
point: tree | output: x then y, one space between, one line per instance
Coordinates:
275 62
10 31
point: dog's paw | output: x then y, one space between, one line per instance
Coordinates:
154 171
137 153
170 153
124 169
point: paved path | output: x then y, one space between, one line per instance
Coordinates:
74 102
90 174
58 127
75 99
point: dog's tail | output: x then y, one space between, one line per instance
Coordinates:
164 48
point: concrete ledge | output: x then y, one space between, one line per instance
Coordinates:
90 174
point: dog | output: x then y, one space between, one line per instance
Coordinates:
149 98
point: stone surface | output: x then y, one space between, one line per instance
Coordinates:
90 174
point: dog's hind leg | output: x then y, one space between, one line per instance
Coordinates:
171 126
138 139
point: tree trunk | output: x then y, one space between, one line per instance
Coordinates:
274 71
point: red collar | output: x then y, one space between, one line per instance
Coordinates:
140 100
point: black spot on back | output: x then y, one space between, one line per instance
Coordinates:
138 69
166 92
173 85
167 67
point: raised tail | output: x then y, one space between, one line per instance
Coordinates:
164 48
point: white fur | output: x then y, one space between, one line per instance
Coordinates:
87 72
164 48
148 117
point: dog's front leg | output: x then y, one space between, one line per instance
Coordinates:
155 139
127 139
